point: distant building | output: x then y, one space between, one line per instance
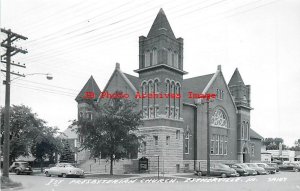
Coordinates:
176 128
284 155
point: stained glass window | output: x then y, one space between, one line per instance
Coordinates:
219 119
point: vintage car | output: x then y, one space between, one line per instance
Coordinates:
218 169
258 169
251 171
20 168
64 170
275 165
239 169
269 169
289 166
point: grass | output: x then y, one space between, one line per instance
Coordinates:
8 183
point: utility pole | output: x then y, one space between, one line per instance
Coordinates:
207 101
6 58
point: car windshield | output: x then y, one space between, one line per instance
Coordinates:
262 165
244 166
222 166
68 165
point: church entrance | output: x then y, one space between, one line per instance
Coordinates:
246 156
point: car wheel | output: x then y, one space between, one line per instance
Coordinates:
28 173
238 174
64 175
296 169
17 172
223 175
47 174
199 173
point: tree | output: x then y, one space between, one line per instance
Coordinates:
296 147
24 127
273 143
67 155
30 135
113 130
46 145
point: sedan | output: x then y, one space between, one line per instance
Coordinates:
239 169
275 166
289 166
251 171
258 169
269 169
64 170
219 169
20 168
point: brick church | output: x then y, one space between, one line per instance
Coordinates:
175 129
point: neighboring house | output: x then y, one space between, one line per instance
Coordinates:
176 128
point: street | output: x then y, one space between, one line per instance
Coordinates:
280 181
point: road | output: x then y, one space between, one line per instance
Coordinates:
283 181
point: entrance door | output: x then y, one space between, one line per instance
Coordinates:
246 156
177 168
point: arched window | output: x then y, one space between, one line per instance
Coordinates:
187 141
147 58
144 88
219 119
170 57
156 86
175 60
154 56
150 87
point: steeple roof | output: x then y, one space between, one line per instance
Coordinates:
161 26
236 78
90 86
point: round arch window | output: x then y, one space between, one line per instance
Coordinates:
219 119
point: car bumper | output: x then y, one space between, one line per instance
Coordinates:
76 174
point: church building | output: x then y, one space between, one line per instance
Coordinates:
175 128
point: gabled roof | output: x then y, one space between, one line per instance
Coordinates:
134 80
69 133
90 86
255 135
236 78
195 85
161 26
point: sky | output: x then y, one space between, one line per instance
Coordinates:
74 39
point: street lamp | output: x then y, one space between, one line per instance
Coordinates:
48 75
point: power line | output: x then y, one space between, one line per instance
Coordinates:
37 89
94 40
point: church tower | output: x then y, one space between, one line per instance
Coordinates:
88 94
161 71
241 95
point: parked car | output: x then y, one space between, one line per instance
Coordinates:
239 169
258 169
64 170
289 166
269 169
218 169
275 166
20 168
251 171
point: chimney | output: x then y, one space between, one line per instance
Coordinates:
219 68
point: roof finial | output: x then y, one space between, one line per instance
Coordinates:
118 65
219 68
